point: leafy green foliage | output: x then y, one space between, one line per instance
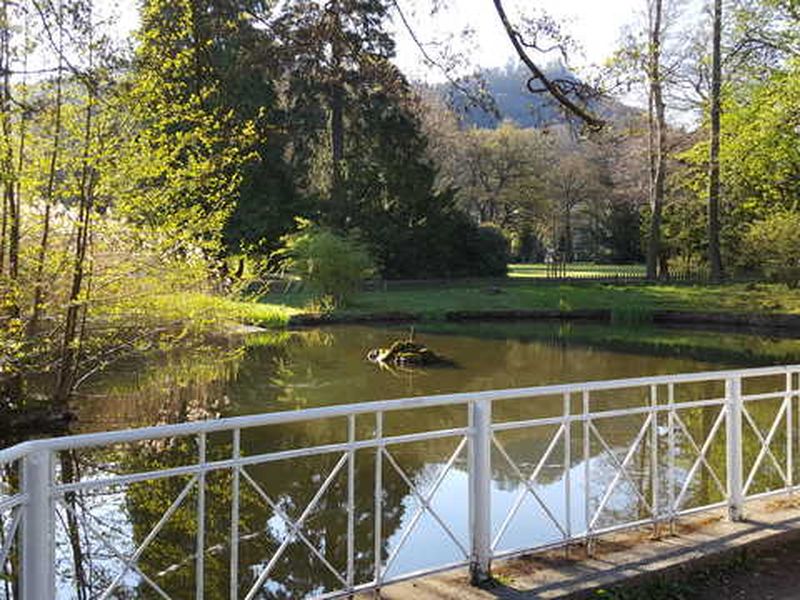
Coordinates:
181 171
760 159
772 245
333 265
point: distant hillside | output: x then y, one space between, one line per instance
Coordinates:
515 102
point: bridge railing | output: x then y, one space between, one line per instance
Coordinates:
615 455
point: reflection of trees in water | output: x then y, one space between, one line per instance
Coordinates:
169 559
9 485
291 485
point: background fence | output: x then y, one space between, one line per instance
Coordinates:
520 275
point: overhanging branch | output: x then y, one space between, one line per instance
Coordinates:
538 75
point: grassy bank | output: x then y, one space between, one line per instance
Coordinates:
435 302
206 311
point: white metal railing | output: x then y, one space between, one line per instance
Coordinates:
36 497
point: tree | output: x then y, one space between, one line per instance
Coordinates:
574 182
333 59
500 174
714 256
183 165
333 265
657 132
772 247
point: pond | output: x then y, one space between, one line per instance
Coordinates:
321 367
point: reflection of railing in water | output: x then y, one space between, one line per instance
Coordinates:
737 454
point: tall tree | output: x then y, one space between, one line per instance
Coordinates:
183 164
85 187
657 130
714 255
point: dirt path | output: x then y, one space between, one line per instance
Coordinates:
770 574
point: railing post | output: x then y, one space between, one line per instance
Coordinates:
480 491
733 398
38 527
789 432
654 492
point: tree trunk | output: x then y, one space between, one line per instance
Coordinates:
714 256
41 257
73 323
340 213
568 244
657 141
71 473
10 222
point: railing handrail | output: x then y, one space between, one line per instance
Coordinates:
88 440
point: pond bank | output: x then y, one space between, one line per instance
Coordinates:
780 322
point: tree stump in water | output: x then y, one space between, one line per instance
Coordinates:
406 353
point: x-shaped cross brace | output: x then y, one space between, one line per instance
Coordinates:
765 443
425 504
701 460
622 470
527 488
295 526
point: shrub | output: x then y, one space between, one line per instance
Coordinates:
772 245
491 251
445 245
333 265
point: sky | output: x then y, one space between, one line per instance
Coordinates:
595 24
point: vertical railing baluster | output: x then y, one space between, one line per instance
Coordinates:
671 457
789 434
480 491
567 423
38 527
351 499
587 500
796 400
378 541
234 566
733 401
201 518
654 457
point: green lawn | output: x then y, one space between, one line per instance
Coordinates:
540 270
434 302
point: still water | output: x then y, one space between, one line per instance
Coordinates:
303 369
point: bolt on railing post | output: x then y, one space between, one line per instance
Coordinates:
38 527
733 399
480 481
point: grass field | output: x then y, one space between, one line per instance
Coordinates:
434 302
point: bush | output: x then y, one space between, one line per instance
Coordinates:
445 245
333 265
772 245
489 251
